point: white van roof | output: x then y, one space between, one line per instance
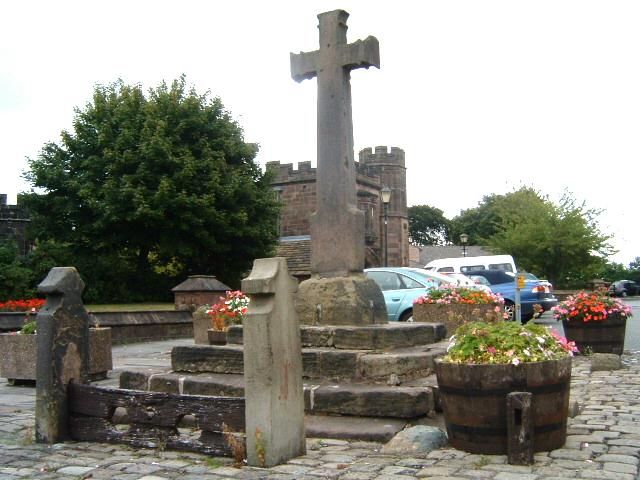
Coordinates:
489 262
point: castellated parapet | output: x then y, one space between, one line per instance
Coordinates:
377 168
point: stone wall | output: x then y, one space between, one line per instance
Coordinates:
377 168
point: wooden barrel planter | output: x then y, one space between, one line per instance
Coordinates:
474 401
602 336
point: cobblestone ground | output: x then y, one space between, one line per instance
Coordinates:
603 443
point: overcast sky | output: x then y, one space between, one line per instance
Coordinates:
483 96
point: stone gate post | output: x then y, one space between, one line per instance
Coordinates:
274 398
63 351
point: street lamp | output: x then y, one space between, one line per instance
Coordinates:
386 198
464 238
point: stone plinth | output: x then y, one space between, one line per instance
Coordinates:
352 300
454 315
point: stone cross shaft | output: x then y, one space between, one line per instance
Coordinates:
337 226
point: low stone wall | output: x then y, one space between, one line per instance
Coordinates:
454 315
126 327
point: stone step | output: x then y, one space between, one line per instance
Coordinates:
318 363
349 399
367 429
369 337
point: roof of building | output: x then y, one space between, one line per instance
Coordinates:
297 251
201 283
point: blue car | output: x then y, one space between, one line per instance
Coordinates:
534 291
401 286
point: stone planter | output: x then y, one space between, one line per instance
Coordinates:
19 355
454 315
217 337
474 402
603 336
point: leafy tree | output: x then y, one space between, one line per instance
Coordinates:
147 189
561 242
479 223
428 226
15 278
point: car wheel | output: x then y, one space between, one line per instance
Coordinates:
624 293
407 316
510 310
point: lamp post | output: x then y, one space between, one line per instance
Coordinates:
386 198
464 238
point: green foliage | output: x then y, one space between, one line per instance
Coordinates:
29 328
428 226
148 189
561 242
16 279
505 343
617 271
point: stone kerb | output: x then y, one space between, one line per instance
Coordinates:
63 351
272 356
454 315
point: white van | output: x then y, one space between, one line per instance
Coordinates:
466 264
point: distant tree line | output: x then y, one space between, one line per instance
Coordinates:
145 190
559 241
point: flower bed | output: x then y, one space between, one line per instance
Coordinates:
27 305
454 306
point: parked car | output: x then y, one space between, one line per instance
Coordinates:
465 281
402 285
534 292
531 276
624 288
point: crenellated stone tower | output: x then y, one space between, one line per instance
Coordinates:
377 168
389 167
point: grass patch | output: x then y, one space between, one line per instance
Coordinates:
131 307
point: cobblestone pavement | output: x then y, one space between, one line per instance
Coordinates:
603 443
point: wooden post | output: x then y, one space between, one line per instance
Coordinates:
63 351
519 428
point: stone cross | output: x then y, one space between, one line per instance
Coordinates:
337 226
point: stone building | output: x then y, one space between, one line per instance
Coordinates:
377 168
14 220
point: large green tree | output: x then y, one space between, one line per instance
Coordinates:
428 226
147 189
559 241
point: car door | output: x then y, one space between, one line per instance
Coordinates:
392 289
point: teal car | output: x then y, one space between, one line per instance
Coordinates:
402 285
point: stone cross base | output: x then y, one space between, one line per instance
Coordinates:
353 300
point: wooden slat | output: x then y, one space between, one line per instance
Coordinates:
93 429
158 408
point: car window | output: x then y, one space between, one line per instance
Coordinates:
386 280
446 269
411 283
505 267
468 268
